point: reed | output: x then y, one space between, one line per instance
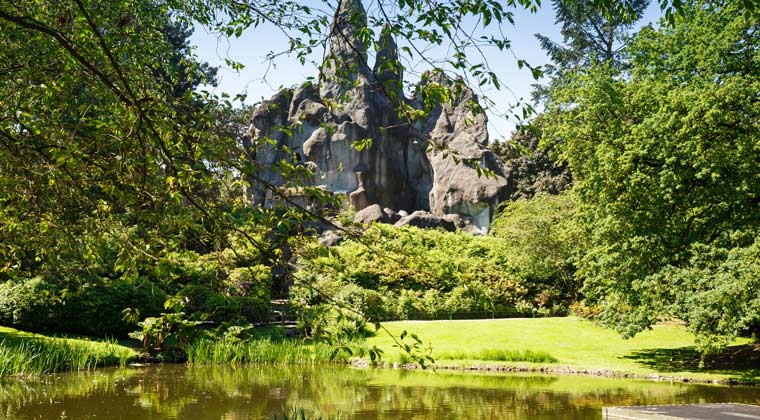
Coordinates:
48 355
262 351
500 356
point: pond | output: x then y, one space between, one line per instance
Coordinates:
259 392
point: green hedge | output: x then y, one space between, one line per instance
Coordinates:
93 309
96 309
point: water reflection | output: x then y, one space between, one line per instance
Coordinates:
255 392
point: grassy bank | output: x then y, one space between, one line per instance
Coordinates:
559 344
667 350
26 353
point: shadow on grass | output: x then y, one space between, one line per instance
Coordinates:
16 337
741 362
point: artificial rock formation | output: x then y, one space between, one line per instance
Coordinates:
319 127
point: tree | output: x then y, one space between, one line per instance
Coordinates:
540 237
89 133
531 168
665 156
181 68
590 34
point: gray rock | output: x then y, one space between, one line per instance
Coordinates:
457 187
370 214
329 238
302 93
309 111
391 216
424 219
387 72
359 198
398 170
456 219
346 63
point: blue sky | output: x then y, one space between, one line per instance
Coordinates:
260 79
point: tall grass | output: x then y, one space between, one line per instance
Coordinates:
500 356
262 351
47 355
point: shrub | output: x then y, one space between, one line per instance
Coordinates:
464 298
96 309
410 304
30 305
199 299
167 336
540 239
332 323
430 274
249 281
177 269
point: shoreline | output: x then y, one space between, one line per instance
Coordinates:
559 371
93 348
358 363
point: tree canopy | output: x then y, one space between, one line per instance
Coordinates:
665 156
590 34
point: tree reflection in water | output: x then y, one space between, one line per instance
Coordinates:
259 392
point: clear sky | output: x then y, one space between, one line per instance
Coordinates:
260 79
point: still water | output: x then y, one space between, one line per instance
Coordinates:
256 392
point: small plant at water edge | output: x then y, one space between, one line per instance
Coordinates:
167 336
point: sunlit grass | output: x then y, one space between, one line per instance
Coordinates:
571 342
25 353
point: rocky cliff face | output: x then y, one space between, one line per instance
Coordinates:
409 165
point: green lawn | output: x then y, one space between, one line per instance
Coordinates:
28 353
574 343
667 350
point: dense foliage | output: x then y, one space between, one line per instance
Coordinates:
218 286
542 241
666 157
410 273
117 171
530 167
119 178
